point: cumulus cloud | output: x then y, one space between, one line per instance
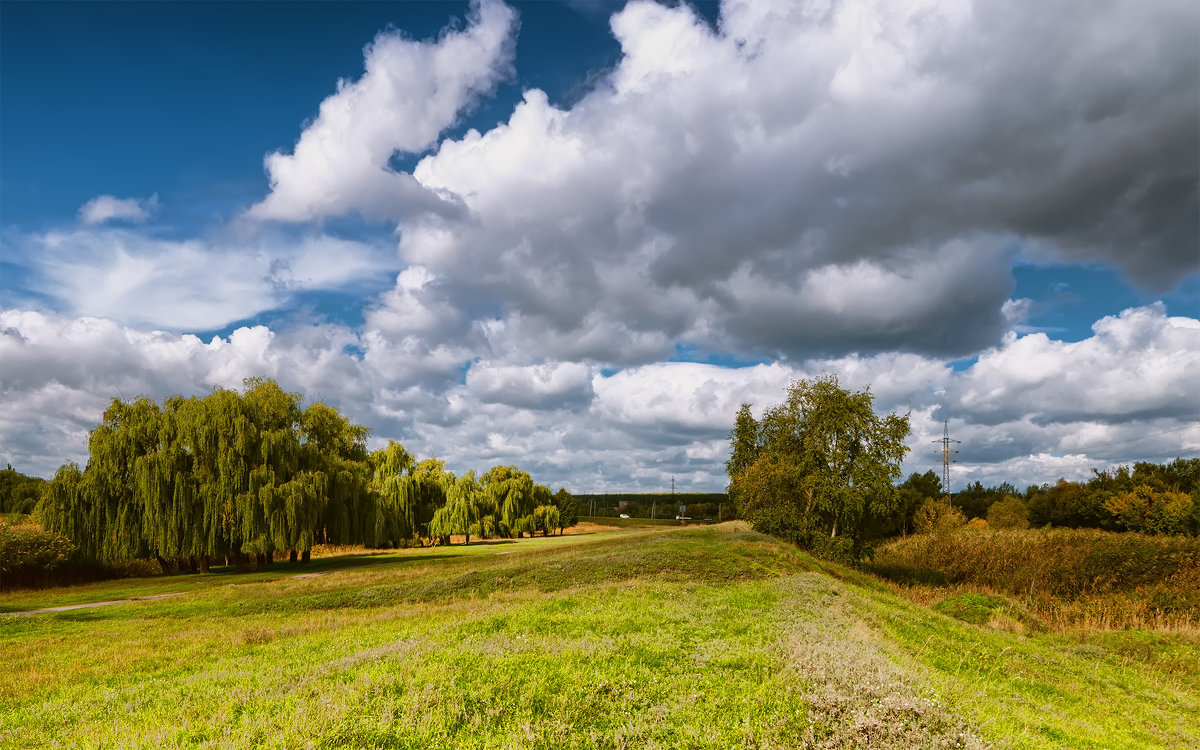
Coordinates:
411 92
190 284
1141 364
836 187
533 386
106 208
634 428
804 180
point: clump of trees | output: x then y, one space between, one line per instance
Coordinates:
819 468
1146 498
251 474
19 494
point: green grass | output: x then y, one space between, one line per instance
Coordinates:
704 637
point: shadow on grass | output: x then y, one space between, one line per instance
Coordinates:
908 575
280 570
225 575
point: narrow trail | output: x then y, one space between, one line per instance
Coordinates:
110 603
92 604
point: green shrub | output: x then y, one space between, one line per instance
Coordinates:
27 552
1009 513
31 557
936 516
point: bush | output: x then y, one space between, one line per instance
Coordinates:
936 516
1152 511
1062 562
27 553
31 557
1009 513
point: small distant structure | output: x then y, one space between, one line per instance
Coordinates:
946 452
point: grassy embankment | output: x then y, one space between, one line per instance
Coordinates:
687 637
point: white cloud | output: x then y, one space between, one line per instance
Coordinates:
808 181
1141 363
106 208
191 284
632 429
411 91
828 187
532 386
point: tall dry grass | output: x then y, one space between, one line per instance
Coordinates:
1064 577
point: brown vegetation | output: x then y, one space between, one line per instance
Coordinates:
1061 577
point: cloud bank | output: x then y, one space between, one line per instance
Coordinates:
1029 405
838 187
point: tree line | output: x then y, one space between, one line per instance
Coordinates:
1147 498
19 494
821 469
699 505
249 474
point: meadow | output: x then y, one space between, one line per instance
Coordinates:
634 637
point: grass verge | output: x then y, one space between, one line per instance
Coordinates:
706 637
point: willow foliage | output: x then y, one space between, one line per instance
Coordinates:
228 474
256 472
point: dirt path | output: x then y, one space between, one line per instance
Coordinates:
92 604
64 608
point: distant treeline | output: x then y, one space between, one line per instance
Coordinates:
1147 498
661 504
19 493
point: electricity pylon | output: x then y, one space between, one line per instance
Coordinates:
946 451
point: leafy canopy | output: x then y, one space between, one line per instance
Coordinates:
821 463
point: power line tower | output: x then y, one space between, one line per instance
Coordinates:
946 452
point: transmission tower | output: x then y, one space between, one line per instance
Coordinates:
946 452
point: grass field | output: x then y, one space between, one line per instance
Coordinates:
704 637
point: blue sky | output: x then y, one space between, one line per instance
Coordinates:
575 236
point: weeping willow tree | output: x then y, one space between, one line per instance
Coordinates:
546 518
226 475
428 486
336 449
391 513
254 473
404 497
460 514
510 497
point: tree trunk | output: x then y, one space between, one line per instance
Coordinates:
468 540
305 555
203 561
292 555
834 532
191 563
260 561
240 562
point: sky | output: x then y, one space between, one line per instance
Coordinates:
575 236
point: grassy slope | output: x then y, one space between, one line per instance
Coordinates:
688 637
